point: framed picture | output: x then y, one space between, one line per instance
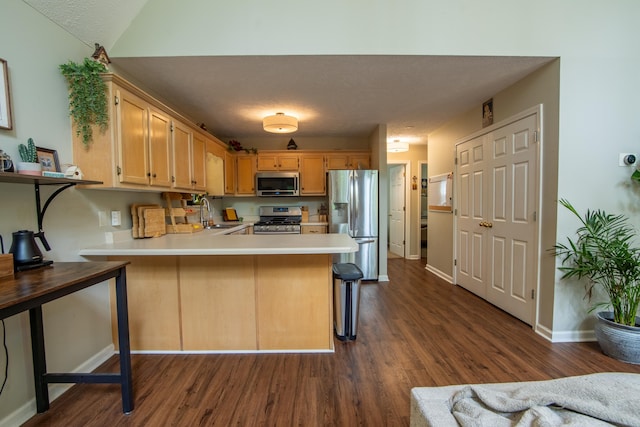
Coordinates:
5 101
48 159
487 113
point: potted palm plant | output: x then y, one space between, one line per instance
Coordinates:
604 253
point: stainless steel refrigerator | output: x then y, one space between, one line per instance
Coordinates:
353 210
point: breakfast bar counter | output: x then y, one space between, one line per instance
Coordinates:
208 292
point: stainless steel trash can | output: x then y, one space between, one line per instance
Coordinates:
346 300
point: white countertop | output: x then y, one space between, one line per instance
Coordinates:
212 242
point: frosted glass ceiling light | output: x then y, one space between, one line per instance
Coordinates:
280 123
397 146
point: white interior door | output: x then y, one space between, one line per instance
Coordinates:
396 209
496 238
471 211
512 229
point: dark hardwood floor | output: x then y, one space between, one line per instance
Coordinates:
415 330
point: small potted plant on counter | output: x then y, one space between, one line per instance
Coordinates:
29 164
604 253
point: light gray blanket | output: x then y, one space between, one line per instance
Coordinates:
589 400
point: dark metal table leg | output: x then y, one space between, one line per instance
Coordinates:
123 342
39 359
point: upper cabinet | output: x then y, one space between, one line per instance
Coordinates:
181 151
147 146
346 160
245 175
229 174
312 175
278 161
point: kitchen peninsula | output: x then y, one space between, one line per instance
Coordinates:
215 292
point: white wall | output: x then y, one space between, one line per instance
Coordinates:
77 327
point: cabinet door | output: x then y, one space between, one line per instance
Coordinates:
229 174
312 175
132 138
288 162
181 150
337 161
245 166
360 161
159 149
267 162
198 168
313 229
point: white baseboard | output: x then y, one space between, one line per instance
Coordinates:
28 410
383 278
439 273
573 336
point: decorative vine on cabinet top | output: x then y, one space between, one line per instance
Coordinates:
148 146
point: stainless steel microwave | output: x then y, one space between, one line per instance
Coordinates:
277 184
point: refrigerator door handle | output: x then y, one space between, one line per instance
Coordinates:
352 202
360 241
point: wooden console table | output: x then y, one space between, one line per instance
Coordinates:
28 290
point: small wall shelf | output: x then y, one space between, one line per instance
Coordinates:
37 181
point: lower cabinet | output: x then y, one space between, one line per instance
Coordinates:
313 229
229 302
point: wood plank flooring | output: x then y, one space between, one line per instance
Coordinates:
415 330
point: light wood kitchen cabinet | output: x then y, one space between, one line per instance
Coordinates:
159 149
198 163
278 162
348 161
188 149
132 138
312 175
140 150
245 175
229 173
181 151
313 229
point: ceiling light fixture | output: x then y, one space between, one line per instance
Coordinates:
280 123
397 146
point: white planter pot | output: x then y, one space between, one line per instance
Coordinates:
618 341
28 168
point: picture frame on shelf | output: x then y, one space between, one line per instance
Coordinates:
6 121
48 159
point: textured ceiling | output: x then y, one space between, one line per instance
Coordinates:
331 95
92 21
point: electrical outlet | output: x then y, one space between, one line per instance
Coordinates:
116 218
103 220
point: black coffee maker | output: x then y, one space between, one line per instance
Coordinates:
26 254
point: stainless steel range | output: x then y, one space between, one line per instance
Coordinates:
278 220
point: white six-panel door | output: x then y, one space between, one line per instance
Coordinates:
397 210
496 237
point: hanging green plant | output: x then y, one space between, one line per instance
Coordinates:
87 97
